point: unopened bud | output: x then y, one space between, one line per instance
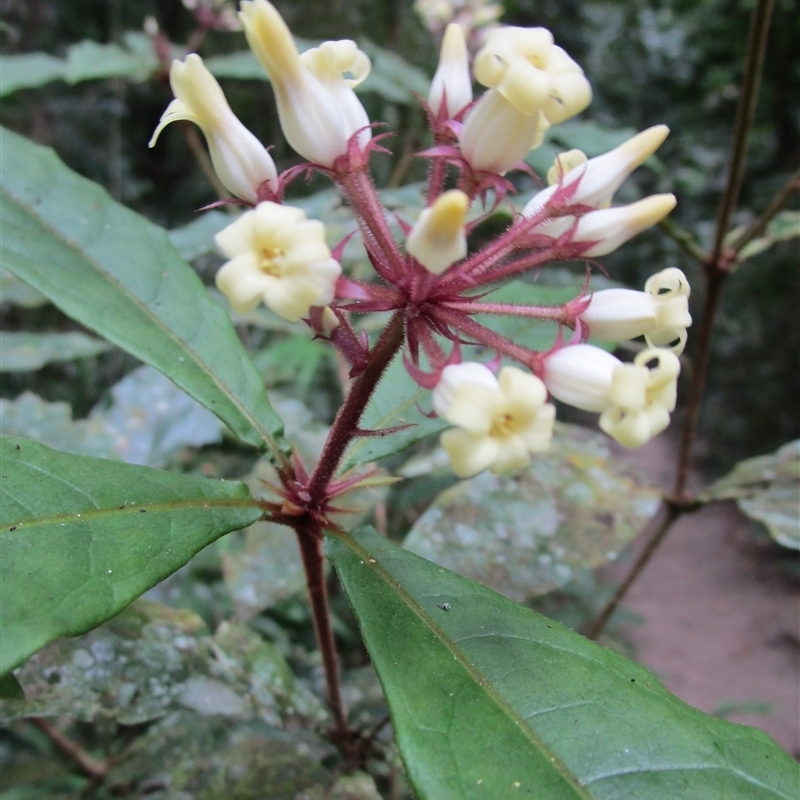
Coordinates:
451 84
438 238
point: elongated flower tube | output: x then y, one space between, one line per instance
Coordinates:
660 313
635 400
499 422
240 160
599 177
533 84
318 109
278 257
612 227
438 238
451 85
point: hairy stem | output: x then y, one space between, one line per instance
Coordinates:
349 416
309 537
360 191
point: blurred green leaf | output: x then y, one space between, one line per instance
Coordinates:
766 488
188 757
491 700
147 421
528 533
151 660
197 238
150 419
10 688
116 273
30 417
293 359
83 537
784 226
22 351
85 61
16 292
392 77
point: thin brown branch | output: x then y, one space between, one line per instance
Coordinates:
684 239
87 764
660 523
700 365
763 219
754 60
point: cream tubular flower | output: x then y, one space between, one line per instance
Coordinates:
537 81
634 400
438 238
660 313
318 109
280 257
612 227
599 177
499 422
240 160
451 83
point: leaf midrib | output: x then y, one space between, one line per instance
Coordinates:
267 439
471 670
93 514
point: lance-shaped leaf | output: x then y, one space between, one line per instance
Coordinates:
491 700
117 273
82 537
766 488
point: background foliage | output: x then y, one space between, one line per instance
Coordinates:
210 725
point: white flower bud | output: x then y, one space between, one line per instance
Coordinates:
318 109
635 400
660 313
278 257
451 83
599 177
612 227
240 160
499 422
438 238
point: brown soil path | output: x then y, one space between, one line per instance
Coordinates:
721 614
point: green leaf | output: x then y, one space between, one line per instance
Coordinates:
491 700
784 226
151 420
197 238
394 403
82 537
22 351
392 77
135 59
186 756
30 417
117 274
766 488
15 292
529 533
10 688
152 659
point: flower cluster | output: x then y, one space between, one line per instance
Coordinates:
433 287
